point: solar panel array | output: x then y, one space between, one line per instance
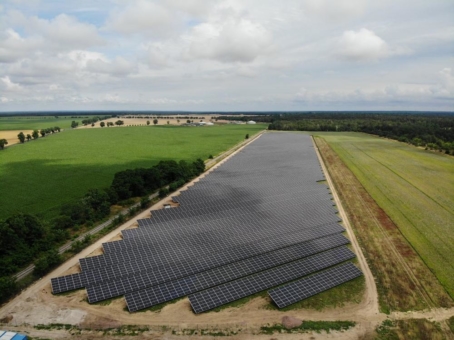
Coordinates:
259 220
314 284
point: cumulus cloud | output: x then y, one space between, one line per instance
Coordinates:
228 39
362 45
224 54
8 85
40 36
14 47
65 31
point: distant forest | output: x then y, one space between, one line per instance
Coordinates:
434 131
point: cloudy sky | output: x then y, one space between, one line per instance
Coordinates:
226 55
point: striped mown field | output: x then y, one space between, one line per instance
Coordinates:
414 187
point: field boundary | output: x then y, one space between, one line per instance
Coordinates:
404 282
371 293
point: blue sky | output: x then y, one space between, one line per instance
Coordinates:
227 55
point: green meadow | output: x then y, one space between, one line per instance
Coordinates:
415 188
39 176
38 122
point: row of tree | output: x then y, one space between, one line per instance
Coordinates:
432 131
35 134
25 238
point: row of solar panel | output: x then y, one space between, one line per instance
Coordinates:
234 290
247 230
183 268
174 289
180 222
163 274
244 223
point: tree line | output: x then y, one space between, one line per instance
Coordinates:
432 131
26 238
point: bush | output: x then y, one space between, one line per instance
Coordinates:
163 192
144 202
47 262
8 287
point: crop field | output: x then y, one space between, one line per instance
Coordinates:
41 175
414 187
32 123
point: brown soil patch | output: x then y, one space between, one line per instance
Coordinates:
11 136
403 280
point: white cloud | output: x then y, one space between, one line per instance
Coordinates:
362 45
118 67
225 54
8 85
65 32
14 47
228 38
40 36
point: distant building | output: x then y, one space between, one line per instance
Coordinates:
209 123
5 335
251 122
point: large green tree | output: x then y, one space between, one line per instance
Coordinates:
3 142
21 137
35 134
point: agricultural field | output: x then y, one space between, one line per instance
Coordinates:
414 187
39 176
39 122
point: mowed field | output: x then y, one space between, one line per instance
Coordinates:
414 187
32 123
41 175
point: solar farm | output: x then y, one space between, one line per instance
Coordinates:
261 221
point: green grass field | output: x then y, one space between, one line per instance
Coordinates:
41 175
41 122
415 188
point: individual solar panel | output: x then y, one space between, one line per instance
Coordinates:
122 284
190 284
314 284
234 290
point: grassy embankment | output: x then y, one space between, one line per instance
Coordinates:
39 177
415 189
